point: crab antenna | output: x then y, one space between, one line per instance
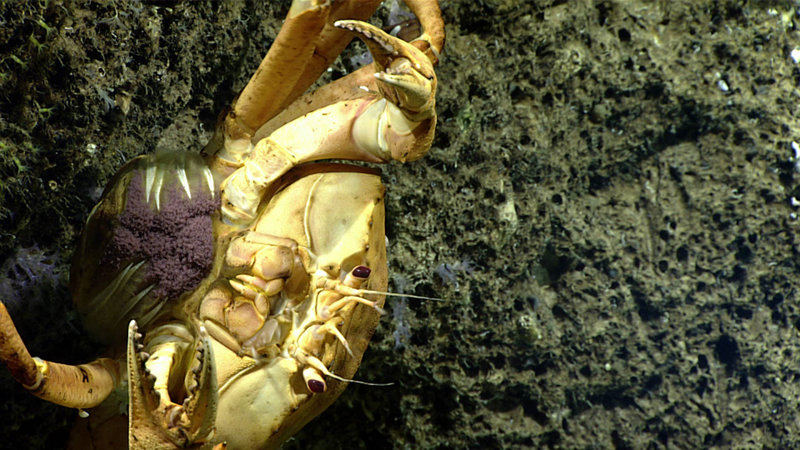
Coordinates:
317 364
365 383
397 294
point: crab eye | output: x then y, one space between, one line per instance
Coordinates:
314 380
361 272
316 386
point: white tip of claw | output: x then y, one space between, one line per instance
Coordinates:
157 194
184 179
343 24
389 79
209 179
149 179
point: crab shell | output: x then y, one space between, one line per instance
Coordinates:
335 214
339 217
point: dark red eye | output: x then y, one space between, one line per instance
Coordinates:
361 272
316 386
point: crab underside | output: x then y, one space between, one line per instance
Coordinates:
237 290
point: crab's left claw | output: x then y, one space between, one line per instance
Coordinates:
151 424
407 75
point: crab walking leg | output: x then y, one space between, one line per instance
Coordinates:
82 386
330 42
431 42
275 78
293 63
395 123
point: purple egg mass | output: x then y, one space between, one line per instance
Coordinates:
177 241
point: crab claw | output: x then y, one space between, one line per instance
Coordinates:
151 425
407 75
201 405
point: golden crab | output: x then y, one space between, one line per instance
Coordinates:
238 290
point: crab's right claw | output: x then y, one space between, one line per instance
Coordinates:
187 426
407 75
